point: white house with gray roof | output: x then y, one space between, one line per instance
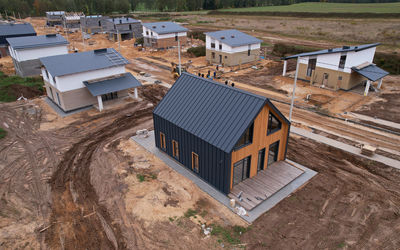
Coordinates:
339 68
231 47
26 51
88 78
164 34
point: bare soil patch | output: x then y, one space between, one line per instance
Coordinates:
386 109
352 202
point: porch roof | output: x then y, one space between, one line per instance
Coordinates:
371 72
109 85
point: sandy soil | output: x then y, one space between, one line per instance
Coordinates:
352 203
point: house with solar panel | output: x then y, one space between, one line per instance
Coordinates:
54 18
13 30
164 35
231 47
88 78
222 134
122 28
339 68
26 51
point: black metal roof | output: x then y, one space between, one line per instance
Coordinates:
12 29
105 86
336 50
371 72
216 113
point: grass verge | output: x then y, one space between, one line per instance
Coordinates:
12 87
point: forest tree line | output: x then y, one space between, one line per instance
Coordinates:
39 7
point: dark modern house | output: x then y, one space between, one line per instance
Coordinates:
223 134
13 30
124 27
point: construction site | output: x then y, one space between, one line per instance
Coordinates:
80 182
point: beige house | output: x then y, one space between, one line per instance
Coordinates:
88 78
339 68
231 47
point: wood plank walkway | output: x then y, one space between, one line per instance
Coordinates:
267 182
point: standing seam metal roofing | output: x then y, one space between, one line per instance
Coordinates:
233 38
214 112
164 27
371 72
16 29
335 50
25 42
122 20
81 62
101 87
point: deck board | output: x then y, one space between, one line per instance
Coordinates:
262 186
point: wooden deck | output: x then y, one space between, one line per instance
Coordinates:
267 182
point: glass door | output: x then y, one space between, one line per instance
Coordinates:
261 159
273 153
241 170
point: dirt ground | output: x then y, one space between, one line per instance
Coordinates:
352 203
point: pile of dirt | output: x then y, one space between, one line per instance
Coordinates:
17 90
153 93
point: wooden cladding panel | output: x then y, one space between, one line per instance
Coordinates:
261 140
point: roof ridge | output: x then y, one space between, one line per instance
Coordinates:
222 85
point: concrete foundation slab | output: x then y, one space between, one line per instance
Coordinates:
149 144
61 112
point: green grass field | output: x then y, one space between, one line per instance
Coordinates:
3 133
8 94
326 8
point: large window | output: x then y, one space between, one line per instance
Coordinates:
342 61
246 138
162 141
312 63
175 149
195 162
273 124
241 170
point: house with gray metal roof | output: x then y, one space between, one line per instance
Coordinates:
26 51
163 34
9 30
54 18
223 134
339 68
231 47
122 28
88 78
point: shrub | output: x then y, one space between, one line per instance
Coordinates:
388 62
140 40
281 49
197 51
197 35
3 133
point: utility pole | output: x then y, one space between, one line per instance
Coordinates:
119 41
83 38
294 89
65 30
179 54
19 16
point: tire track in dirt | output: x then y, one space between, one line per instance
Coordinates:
77 219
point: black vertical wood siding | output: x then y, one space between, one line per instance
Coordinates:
214 164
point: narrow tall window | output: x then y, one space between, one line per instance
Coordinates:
311 66
195 162
220 46
273 124
342 61
213 55
175 149
58 99
162 141
248 52
213 45
176 37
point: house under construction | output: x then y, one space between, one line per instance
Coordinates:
123 27
72 20
93 24
54 18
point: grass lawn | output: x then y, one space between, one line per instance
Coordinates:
3 133
326 8
12 87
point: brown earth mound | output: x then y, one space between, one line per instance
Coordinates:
18 90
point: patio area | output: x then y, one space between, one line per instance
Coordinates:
253 191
